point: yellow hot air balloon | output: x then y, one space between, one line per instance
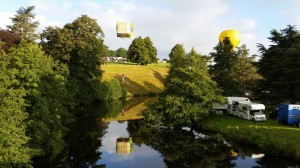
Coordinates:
124 29
230 36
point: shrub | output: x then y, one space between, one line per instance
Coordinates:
112 90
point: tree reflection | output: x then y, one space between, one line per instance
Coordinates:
80 146
181 148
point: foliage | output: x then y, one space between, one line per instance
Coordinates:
142 51
79 45
224 58
112 90
46 95
244 73
189 91
23 24
152 51
14 151
9 39
121 52
279 65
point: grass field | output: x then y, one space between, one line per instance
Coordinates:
271 137
139 79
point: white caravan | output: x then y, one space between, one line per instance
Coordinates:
243 108
248 110
228 102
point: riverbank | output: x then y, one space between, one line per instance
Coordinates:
139 79
270 137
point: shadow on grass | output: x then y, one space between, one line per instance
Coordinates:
158 76
131 86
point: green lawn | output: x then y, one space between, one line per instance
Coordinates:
270 136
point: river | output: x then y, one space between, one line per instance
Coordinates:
132 143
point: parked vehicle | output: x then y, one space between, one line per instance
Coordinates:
228 102
242 107
248 110
289 114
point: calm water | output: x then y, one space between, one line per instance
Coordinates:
160 153
133 144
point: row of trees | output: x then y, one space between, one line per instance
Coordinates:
190 91
47 86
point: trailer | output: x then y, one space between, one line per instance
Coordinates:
289 114
242 107
248 110
228 102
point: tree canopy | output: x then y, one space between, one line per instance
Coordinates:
24 24
279 65
80 46
189 91
142 51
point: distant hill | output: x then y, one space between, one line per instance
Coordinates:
139 79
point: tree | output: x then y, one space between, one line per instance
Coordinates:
279 65
121 52
9 40
244 73
189 92
224 58
79 45
13 141
45 92
23 24
152 51
142 51
137 52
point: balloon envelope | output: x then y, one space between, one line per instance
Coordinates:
230 36
124 29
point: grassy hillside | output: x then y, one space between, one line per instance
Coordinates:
139 79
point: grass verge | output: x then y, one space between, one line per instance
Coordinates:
271 137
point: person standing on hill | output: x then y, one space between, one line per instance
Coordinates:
123 78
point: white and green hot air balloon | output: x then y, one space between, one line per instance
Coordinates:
124 29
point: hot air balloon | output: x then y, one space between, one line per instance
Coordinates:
124 29
230 36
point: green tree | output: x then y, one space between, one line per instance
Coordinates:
244 73
46 96
121 52
13 141
142 51
137 52
279 65
189 91
79 45
24 24
152 51
224 59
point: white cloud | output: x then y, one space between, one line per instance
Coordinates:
5 19
193 23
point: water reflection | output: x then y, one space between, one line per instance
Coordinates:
94 143
142 156
81 143
181 148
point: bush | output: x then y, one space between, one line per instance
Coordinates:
112 90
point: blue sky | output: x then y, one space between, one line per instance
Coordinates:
193 23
